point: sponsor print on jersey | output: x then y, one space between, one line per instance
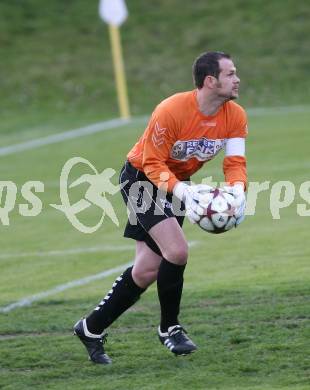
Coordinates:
202 149
165 204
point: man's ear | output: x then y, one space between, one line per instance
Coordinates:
210 82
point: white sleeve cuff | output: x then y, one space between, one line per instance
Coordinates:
235 147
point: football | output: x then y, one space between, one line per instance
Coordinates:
218 216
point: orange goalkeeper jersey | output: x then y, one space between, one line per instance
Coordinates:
179 139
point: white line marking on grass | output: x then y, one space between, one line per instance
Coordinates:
73 251
280 167
74 283
118 122
76 251
62 287
257 111
70 134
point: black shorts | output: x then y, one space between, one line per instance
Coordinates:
146 205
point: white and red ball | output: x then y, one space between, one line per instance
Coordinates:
218 214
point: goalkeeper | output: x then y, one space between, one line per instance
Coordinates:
185 131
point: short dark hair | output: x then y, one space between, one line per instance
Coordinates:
207 64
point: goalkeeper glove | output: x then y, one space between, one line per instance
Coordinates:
192 198
237 191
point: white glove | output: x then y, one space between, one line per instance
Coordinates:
237 191
202 188
192 198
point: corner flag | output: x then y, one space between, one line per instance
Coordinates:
114 12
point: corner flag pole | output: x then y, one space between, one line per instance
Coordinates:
119 72
114 12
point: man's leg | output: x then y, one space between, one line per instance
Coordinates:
170 238
126 289
124 293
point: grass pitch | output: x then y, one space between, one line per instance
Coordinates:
246 294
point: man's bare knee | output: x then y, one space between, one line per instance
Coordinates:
144 278
170 239
176 254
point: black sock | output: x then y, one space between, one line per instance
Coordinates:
169 286
124 293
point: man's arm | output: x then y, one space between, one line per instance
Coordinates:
234 164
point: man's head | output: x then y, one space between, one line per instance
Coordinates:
216 71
